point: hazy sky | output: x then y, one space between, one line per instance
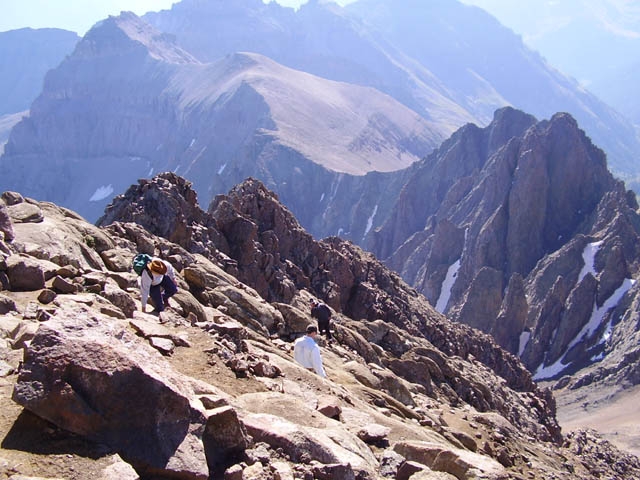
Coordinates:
80 15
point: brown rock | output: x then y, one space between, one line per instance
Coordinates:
24 273
374 434
25 213
7 305
225 438
62 285
329 407
47 296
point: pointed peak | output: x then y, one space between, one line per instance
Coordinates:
126 32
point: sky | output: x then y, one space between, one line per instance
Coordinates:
80 15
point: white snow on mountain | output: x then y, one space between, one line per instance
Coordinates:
101 193
445 290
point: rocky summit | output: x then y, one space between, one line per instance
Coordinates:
518 229
92 387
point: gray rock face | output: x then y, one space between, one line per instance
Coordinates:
533 241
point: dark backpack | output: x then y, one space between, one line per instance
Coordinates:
140 262
321 312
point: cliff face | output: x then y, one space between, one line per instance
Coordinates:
528 238
407 391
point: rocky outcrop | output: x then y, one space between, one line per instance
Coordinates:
209 388
533 241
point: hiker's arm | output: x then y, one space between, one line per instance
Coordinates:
145 286
317 363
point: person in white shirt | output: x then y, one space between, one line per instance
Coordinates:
307 353
158 280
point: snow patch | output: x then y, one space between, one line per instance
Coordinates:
524 339
221 169
597 316
101 193
370 222
322 197
550 371
589 256
445 290
193 140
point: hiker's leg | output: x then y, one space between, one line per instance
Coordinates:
155 292
169 288
323 328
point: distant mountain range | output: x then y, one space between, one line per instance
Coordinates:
128 103
131 102
25 57
449 62
598 43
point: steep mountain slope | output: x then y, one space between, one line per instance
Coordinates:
128 102
25 57
408 391
458 49
448 62
531 240
598 43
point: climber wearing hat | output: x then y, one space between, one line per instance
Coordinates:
158 280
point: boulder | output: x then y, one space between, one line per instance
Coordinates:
85 373
189 305
374 434
225 438
7 305
24 273
117 259
25 213
460 463
119 298
326 445
47 296
62 285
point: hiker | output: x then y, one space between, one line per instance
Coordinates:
158 280
322 312
307 353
